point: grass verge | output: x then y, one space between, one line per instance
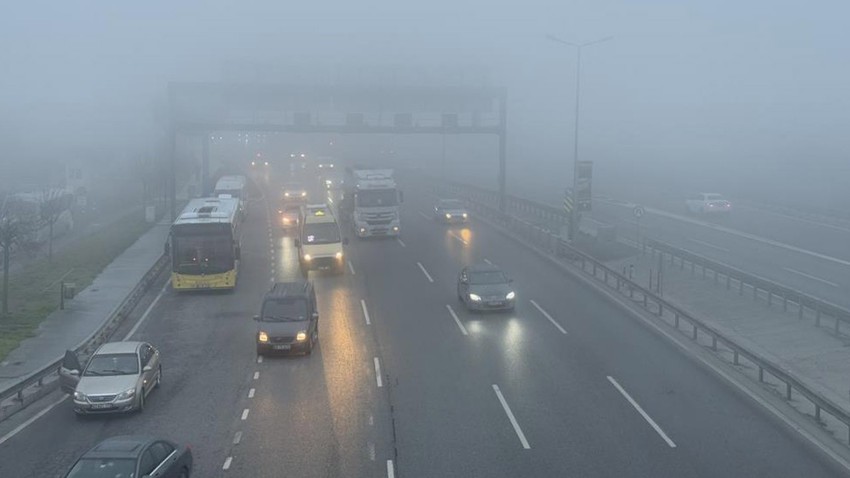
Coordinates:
34 290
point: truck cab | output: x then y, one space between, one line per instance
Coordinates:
373 200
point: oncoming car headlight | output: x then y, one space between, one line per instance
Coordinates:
303 194
465 215
338 255
448 216
301 336
475 297
510 295
263 337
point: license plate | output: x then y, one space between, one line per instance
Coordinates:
203 285
495 303
281 347
101 406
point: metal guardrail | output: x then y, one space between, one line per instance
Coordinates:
555 246
819 307
43 381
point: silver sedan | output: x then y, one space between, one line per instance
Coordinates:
117 378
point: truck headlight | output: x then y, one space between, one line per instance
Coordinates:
129 393
263 337
80 396
475 297
510 295
301 336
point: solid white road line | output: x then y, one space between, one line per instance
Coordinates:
488 261
147 311
32 419
457 321
245 413
378 372
642 412
237 438
458 238
259 359
252 392
351 268
424 215
808 276
427 275
708 244
371 447
365 311
227 463
390 469
256 375
511 417
546 314
401 242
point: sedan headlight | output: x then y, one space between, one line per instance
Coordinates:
307 257
129 393
510 295
475 297
80 396
301 336
263 337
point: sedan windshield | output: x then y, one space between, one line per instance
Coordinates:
284 310
450 204
103 468
112 364
487 277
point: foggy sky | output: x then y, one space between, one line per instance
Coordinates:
735 93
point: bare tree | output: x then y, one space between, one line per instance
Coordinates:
14 231
51 206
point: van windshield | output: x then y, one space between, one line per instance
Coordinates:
284 310
321 233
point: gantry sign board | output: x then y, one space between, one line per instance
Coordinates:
206 107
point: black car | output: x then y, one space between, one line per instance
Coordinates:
136 457
288 320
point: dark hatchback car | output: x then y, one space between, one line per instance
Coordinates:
288 320
134 457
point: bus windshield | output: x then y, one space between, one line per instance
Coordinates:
210 253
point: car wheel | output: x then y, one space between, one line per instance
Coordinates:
141 406
158 377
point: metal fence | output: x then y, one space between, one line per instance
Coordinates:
551 244
43 381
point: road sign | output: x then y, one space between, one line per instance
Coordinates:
568 204
639 211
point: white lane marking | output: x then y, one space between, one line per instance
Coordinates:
422 268
256 375
32 419
371 447
259 359
457 321
642 412
147 311
365 311
401 242
252 392
245 413
227 463
424 215
378 372
488 261
511 417
708 244
351 268
458 238
390 469
371 420
237 438
803 274
546 314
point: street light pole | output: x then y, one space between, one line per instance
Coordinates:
578 46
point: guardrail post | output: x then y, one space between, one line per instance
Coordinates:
715 277
606 275
755 292
769 298
740 287
735 357
817 413
817 317
676 320
594 270
696 330
728 281
631 292
761 374
787 391
800 310
784 303
660 309
714 342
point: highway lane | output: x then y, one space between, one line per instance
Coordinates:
557 385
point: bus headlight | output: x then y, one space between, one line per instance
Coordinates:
263 337
301 336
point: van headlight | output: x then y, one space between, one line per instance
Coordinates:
301 336
510 295
475 297
129 393
263 337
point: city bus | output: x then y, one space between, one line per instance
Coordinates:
233 187
204 245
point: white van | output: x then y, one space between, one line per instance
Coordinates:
319 241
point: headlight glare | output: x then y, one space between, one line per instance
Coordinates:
307 257
263 337
510 295
301 336
475 297
448 216
339 255
465 215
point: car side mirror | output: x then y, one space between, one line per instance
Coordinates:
147 368
344 241
297 243
256 318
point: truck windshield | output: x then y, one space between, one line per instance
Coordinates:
377 198
321 233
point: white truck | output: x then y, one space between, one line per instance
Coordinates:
371 202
